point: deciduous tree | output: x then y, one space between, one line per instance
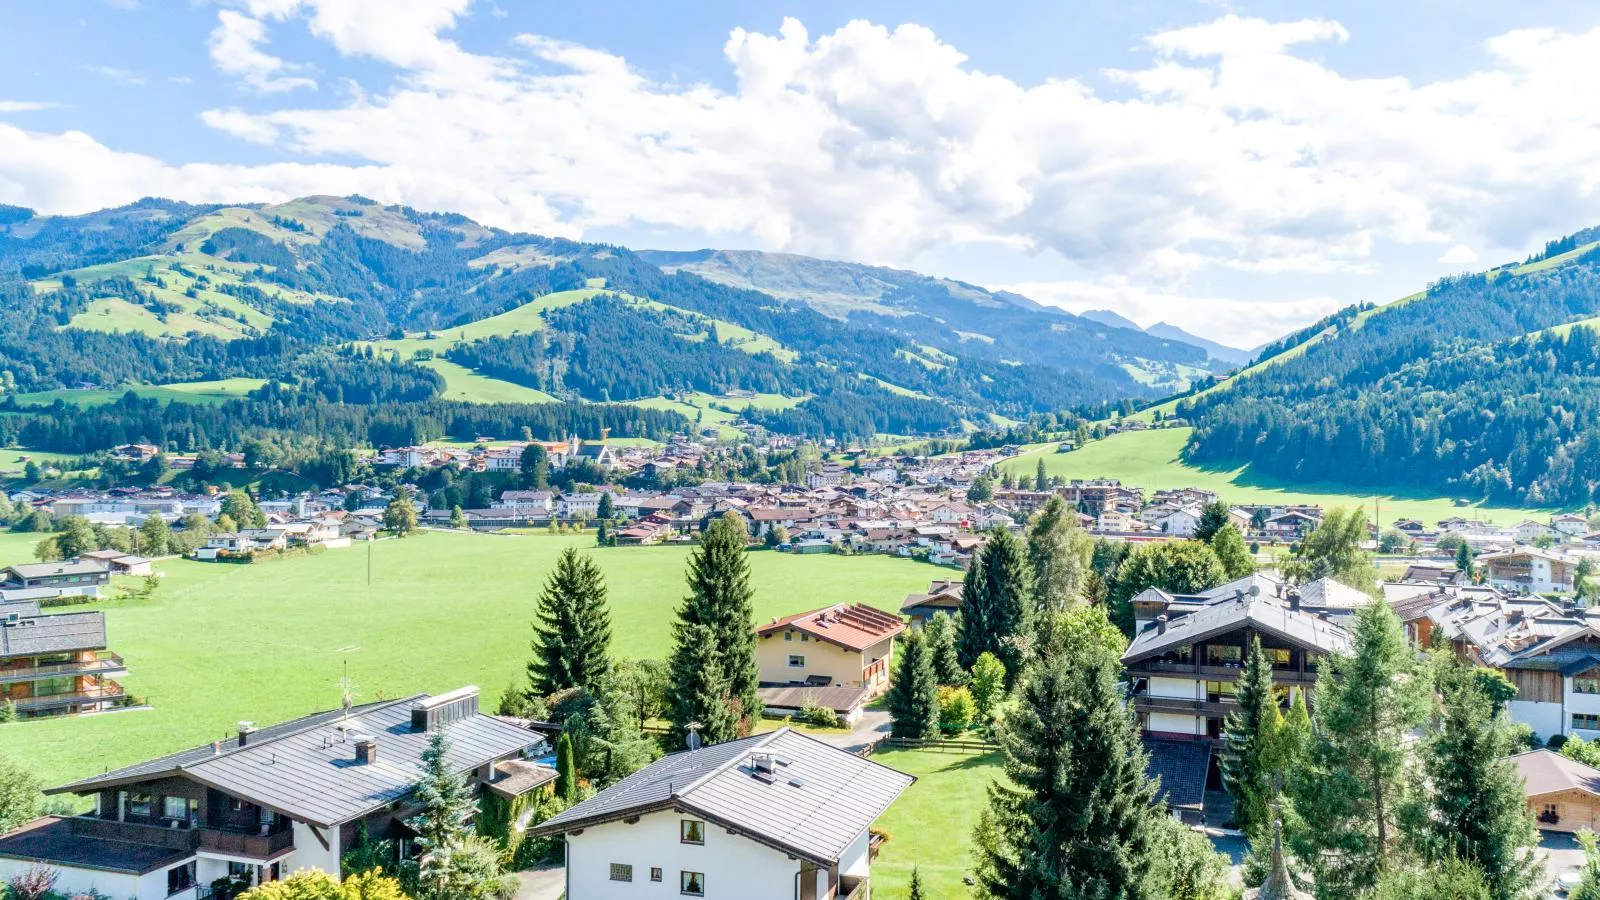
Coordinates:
1059 551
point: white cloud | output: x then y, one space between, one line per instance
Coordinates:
1231 321
16 106
125 77
236 50
1459 255
1229 153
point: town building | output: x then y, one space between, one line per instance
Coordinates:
777 816
44 581
1528 570
267 802
57 664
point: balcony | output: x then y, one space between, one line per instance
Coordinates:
109 692
254 846
1146 703
107 664
172 838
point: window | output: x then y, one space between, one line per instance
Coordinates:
691 831
788 635
175 808
796 661
1280 659
1585 722
180 879
804 637
140 803
621 872
1224 654
692 883
655 873
1586 684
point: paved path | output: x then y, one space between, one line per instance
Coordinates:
545 883
874 724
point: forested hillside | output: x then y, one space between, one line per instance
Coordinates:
1461 389
400 306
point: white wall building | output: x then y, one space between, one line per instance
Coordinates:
777 816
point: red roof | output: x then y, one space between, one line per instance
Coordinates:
849 625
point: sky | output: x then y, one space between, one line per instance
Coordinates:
1237 169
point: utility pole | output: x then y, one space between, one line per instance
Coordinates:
369 560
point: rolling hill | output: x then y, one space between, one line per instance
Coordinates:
1483 386
435 308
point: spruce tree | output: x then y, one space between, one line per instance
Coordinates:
1248 763
722 600
697 690
940 634
1213 517
972 637
1476 810
441 826
916 885
1351 790
1464 561
1008 599
572 632
913 697
1075 816
1059 552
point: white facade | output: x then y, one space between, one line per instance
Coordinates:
1566 717
733 866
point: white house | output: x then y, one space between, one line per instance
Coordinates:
1527 531
528 503
578 505
777 816
1528 569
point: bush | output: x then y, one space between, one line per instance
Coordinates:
820 716
956 709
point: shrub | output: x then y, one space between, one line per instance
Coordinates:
956 709
820 716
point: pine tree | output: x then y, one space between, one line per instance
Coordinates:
1464 561
1003 601
697 690
607 507
940 634
1213 517
913 697
572 632
1249 767
1059 552
1235 557
1075 816
1353 786
972 631
1476 809
720 597
916 885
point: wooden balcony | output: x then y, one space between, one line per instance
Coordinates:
174 835
107 664
1147 704
108 692
254 846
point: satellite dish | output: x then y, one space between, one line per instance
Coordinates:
1255 590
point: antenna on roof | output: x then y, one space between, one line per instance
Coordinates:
346 690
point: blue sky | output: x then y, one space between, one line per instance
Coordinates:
1237 169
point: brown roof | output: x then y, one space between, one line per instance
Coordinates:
842 699
849 625
519 777
51 840
1548 772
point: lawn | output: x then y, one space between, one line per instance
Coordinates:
1149 460
183 392
222 643
930 826
461 383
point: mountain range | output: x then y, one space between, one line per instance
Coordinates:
165 293
1221 353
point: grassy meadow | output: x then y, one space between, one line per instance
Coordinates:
267 642
184 392
930 826
1149 459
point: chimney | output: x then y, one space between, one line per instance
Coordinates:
1161 624
366 749
1294 600
246 729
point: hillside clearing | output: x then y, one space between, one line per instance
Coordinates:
461 383
269 641
1149 460
183 392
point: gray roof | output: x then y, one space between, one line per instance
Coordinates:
45 570
53 634
51 840
1298 627
306 769
1182 767
837 796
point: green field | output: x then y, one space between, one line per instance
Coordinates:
267 642
461 383
704 408
1149 460
930 826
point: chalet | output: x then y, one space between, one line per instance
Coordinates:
1570 526
1094 497
776 816
1528 569
1562 794
1115 520
1290 524
42 581
847 645
1527 531
1185 671
57 664
943 596
120 563
266 802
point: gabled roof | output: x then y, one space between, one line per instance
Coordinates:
1547 772
305 769
1299 628
31 635
853 626
813 807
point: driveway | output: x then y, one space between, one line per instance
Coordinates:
546 883
873 724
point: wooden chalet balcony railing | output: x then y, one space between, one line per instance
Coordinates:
233 843
110 691
105 664
257 846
